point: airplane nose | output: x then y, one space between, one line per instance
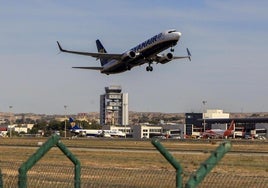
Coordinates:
178 33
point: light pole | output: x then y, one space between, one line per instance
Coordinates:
124 118
204 103
10 128
65 112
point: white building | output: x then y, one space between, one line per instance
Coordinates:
114 106
215 114
144 131
22 127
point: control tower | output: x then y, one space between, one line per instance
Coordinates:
114 106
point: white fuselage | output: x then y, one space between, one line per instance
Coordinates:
98 132
144 52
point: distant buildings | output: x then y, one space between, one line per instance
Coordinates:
213 114
18 128
114 116
197 123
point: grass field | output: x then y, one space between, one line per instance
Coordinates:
112 163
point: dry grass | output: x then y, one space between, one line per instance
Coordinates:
141 157
138 157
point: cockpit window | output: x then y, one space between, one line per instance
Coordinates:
172 31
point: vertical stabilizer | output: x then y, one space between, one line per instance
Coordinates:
230 130
232 124
101 49
73 124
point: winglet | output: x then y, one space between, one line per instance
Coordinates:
189 54
60 47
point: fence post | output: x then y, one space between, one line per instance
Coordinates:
207 166
171 160
52 141
22 183
1 180
76 162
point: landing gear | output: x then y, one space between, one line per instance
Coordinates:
171 48
149 68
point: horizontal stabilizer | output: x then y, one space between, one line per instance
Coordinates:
189 54
182 57
92 68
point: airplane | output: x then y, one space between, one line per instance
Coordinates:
220 132
78 131
146 52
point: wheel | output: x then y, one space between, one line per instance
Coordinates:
149 68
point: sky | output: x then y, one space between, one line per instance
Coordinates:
228 41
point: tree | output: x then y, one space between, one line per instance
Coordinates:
95 125
40 125
56 125
144 119
86 125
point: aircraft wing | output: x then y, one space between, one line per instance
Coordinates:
92 68
96 55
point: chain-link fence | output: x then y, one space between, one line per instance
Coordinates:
232 180
45 175
42 175
132 168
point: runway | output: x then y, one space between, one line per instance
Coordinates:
142 150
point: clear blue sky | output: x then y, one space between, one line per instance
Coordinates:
228 41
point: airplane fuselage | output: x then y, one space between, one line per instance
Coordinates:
144 51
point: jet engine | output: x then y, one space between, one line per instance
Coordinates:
129 55
165 58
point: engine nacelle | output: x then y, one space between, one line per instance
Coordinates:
165 58
129 55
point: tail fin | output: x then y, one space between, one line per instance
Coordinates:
231 127
73 125
230 130
101 49
71 120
